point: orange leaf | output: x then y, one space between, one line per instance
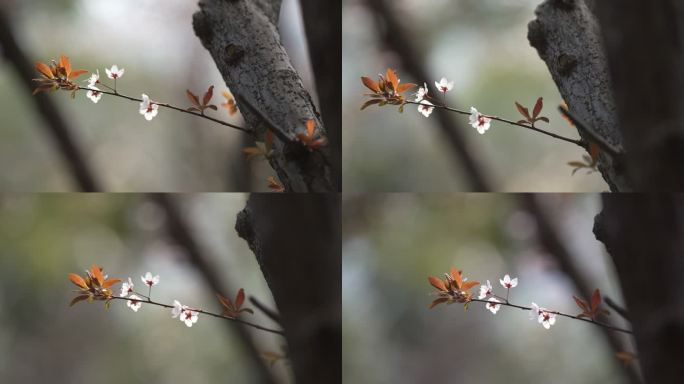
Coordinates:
274 185
310 125
77 73
405 87
193 98
594 151
240 298
437 283
595 300
268 140
537 107
392 77
456 275
523 111
44 69
370 84
468 285
626 357
78 280
110 282
97 273
65 63
438 301
208 95
370 102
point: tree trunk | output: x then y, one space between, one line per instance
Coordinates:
645 48
297 241
644 234
243 39
567 37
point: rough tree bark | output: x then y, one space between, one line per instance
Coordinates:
243 39
644 234
567 37
644 42
297 242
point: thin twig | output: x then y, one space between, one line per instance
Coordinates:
166 105
247 323
595 137
608 326
581 143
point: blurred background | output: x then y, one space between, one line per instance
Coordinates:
393 242
482 46
155 43
42 339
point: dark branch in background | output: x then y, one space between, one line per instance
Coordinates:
644 234
323 27
393 33
180 232
550 238
567 38
615 307
644 44
243 40
273 315
54 122
296 239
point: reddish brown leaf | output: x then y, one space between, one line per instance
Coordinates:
208 95
108 283
310 126
45 70
523 111
369 103
405 87
268 140
77 73
65 63
193 98
537 107
626 357
78 280
275 185
240 298
97 274
468 285
456 275
595 300
544 119
594 151
438 301
523 122
370 84
392 77
78 299
437 283
225 302
584 306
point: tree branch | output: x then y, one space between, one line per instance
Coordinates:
244 42
566 36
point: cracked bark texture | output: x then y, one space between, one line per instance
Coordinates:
644 42
243 39
567 37
644 234
297 241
